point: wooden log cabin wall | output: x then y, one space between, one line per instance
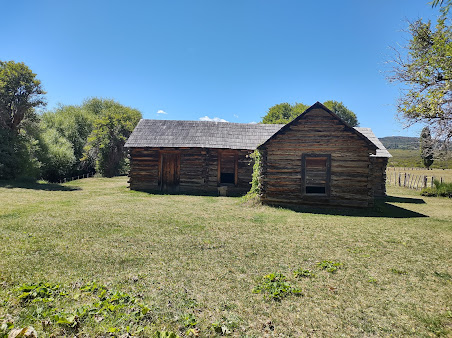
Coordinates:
194 157
190 170
316 159
378 175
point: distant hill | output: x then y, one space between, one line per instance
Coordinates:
400 142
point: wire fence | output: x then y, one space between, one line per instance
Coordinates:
73 178
411 181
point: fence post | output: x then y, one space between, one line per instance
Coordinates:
425 181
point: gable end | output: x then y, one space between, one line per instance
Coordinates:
318 105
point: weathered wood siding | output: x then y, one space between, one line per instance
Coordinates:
378 175
198 172
317 132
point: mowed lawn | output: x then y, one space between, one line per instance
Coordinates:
193 262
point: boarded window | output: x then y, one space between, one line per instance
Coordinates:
316 174
227 167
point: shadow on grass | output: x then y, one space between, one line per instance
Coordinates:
36 186
382 208
397 199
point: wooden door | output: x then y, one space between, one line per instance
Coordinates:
169 172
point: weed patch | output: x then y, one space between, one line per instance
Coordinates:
303 273
330 266
49 304
275 286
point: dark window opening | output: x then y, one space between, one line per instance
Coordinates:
316 174
315 190
227 178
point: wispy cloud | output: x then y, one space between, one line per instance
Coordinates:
215 119
236 116
254 122
162 112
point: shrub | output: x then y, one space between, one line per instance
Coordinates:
440 189
429 192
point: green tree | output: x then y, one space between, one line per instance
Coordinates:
284 112
427 147
342 111
74 123
110 132
20 93
425 71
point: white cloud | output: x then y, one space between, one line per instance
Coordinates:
215 119
162 112
253 122
236 116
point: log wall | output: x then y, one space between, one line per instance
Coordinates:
317 132
378 171
198 170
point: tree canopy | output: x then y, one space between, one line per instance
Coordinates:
285 112
110 132
20 93
343 112
424 69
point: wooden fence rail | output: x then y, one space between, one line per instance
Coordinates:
411 181
68 179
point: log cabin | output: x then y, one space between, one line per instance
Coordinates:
316 159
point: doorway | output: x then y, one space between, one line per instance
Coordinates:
169 171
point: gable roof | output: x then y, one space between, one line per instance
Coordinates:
318 105
225 135
381 150
200 134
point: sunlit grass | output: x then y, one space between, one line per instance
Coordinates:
197 260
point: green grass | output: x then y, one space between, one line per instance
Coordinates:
412 158
195 261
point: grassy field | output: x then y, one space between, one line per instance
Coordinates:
412 158
118 261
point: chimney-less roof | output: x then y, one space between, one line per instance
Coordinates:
200 134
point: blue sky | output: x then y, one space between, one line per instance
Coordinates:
230 60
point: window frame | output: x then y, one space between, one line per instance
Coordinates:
303 175
220 153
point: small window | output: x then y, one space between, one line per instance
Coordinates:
227 167
227 178
316 174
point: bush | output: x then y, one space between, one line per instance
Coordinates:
440 189
58 157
